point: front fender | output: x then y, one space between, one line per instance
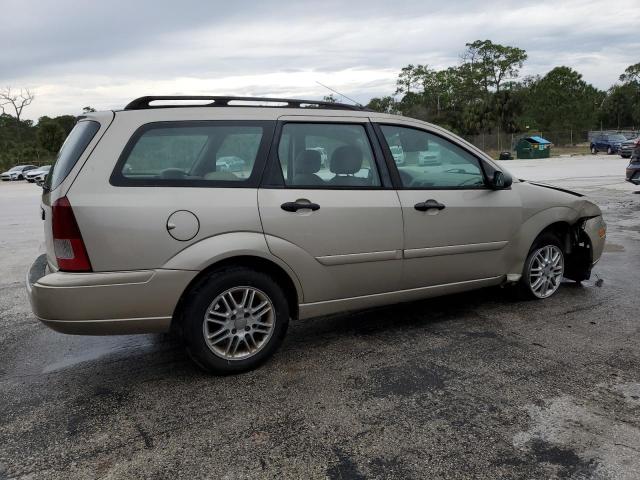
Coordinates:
530 229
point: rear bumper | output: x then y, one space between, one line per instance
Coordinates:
106 303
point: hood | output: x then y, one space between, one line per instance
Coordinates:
539 196
552 187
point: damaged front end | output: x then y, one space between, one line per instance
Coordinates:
583 248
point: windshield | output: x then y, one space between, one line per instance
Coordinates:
16 168
617 138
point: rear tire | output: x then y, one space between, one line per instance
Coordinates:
609 151
234 320
594 150
543 269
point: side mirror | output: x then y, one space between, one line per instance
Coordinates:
500 181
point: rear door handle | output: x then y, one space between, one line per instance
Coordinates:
429 204
295 206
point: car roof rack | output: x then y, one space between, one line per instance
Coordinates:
144 103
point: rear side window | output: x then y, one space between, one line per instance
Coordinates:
71 150
193 154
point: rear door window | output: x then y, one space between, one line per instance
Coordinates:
71 151
327 155
193 154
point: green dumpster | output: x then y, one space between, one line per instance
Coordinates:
533 147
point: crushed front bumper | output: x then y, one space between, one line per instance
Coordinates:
596 230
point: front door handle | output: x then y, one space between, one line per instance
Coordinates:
295 206
429 204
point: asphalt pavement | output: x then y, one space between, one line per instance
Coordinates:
476 385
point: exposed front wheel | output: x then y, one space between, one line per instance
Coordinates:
544 268
234 320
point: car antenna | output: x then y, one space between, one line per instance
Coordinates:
342 95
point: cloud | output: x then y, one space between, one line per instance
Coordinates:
105 53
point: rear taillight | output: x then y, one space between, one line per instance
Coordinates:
67 240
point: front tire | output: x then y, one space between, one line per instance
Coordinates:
543 269
234 320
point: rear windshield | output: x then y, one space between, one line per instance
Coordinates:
71 150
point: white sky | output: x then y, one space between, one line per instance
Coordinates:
103 54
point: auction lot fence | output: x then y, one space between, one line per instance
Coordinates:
564 138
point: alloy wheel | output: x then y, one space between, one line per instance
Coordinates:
546 271
239 323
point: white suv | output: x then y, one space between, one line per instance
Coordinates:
149 226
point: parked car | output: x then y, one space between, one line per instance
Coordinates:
607 142
626 149
230 164
37 174
398 154
633 169
16 173
429 157
41 179
138 240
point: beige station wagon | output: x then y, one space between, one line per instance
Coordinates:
225 220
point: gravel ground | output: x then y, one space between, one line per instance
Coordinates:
475 385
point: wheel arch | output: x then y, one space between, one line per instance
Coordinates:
561 229
576 246
248 249
566 224
253 262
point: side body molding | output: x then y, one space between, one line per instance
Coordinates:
454 249
339 276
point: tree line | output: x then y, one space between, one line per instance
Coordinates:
23 141
484 94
